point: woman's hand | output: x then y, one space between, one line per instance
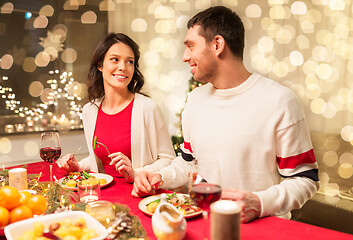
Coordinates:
69 163
123 166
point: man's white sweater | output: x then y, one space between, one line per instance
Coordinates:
249 137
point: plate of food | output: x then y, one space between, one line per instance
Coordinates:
183 202
70 181
60 225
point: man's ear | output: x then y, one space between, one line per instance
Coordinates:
219 44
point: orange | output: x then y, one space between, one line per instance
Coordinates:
4 216
24 197
38 204
9 197
20 213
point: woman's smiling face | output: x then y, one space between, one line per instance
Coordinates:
118 66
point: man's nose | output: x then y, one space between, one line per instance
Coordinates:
186 56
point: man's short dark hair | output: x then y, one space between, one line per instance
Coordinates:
222 21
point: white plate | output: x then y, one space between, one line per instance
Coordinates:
142 205
15 230
107 177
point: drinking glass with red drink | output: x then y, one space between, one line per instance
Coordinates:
204 192
50 149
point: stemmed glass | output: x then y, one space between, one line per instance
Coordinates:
203 192
50 149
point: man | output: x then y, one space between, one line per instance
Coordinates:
246 131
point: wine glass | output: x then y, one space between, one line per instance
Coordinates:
203 192
50 149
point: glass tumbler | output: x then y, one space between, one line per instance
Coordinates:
89 191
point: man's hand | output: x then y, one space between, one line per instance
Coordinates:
249 202
146 183
69 163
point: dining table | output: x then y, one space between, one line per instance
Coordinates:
266 228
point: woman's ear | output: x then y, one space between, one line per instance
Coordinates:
219 44
99 66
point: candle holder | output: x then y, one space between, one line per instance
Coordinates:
18 178
225 220
102 211
88 192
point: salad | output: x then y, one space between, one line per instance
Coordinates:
73 178
181 201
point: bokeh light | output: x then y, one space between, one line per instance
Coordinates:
139 25
298 8
280 69
324 71
330 158
317 105
35 88
165 83
265 44
347 133
71 5
31 148
158 44
69 55
182 21
42 59
48 96
107 5
6 61
89 17
329 110
165 26
202 4
164 12
151 58
253 11
28 15
345 170
29 64
7 8
47 11
41 22
296 58
5 145
303 42
171 49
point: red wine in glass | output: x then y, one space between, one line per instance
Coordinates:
50 154
50 149
204 194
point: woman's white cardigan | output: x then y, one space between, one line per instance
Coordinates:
151 147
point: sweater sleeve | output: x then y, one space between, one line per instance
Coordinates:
89 162
298 168
160 144
176 174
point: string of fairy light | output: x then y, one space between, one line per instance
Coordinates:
62 88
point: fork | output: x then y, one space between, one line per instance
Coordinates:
106 148
102 144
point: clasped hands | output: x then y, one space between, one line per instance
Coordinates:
122 164
249 202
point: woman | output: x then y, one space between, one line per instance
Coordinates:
118 116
